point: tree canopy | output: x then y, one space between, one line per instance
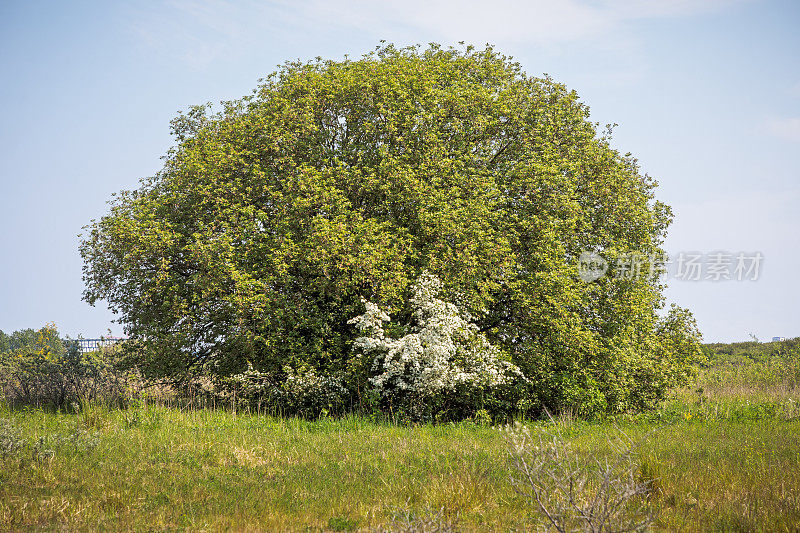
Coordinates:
337 180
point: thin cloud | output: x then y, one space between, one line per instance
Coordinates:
787 128
540 22
202 31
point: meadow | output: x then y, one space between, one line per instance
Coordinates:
721 455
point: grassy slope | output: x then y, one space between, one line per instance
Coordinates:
724 458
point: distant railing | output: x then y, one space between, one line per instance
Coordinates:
91 345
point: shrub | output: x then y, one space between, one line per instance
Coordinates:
301 392
445 361
574 489
39 368
11 443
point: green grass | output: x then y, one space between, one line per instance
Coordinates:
743 381
164 469
214 470
724 455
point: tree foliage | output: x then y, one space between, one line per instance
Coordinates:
337 180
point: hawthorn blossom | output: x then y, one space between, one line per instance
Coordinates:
443 351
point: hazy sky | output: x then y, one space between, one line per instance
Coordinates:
706 95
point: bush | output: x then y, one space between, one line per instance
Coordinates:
444 364
579 490
302 391
39 368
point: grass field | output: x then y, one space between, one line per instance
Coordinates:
724 455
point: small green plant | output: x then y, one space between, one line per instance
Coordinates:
14 446
341 523
96 416
41 451
11 444
77 440
141 416
482 418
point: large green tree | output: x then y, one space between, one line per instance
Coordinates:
337 180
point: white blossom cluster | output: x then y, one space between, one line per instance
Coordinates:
302 388
445 349
306 387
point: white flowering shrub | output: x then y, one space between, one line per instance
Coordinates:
301 391
444 353
307 391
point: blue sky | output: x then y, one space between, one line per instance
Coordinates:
705 93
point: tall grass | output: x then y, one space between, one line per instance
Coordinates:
723 455
743 381
152 467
